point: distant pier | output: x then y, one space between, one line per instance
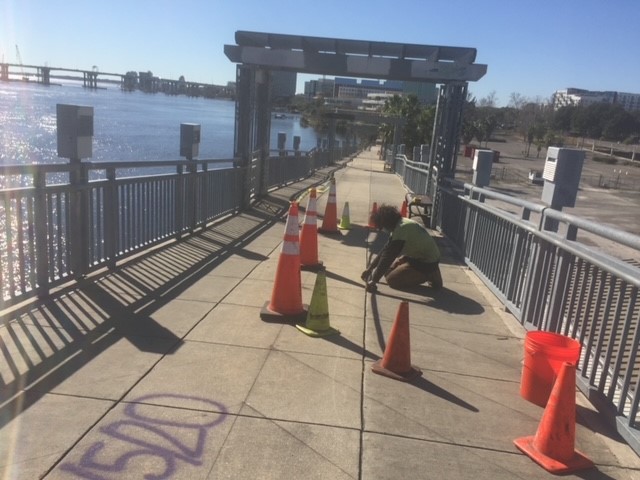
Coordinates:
143 81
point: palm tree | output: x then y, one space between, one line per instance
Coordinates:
417 121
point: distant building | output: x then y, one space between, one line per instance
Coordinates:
130 81
365 93
628 101
321 87
427 93
283 85
375 101
580 97
147 82
352 89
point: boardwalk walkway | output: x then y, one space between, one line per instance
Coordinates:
164 368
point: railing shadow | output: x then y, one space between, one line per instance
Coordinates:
43 344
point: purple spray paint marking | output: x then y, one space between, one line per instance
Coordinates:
147 436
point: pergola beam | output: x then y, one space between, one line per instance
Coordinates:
359 66
280 41
256 54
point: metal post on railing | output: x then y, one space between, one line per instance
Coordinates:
204 194
111 214
282 140
75 136
191 195
296 146
79 227
562 279
40 217
189 148
179 205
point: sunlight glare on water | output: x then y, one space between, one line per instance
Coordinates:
128 126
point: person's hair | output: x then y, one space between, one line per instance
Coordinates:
386 217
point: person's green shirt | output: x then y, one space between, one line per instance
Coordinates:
418 243
408 239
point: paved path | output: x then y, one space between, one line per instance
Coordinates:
164 368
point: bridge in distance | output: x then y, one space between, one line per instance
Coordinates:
147 82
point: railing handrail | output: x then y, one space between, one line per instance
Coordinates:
20 169
551 280
55 229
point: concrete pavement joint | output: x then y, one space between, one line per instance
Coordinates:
459 374
428 328
444 442
275 421
142 377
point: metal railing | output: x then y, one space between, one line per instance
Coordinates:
536 264
66 220
287 166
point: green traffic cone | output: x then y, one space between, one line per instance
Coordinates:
317 324
345 223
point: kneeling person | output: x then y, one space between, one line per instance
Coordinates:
411 256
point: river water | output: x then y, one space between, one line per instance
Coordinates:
128 126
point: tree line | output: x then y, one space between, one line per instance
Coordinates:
536 122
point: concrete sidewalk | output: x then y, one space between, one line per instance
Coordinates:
164 368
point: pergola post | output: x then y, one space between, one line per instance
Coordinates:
444 142
257 53
242 147
263 126
252 129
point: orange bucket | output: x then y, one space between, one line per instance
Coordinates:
544 354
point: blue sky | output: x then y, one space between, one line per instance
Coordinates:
531 47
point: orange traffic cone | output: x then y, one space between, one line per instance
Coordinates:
396 362
309 237
553 444
330 220
374 210
286 296
403 209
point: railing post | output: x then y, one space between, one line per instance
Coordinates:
560 285
111 216
191 195
179 212
265 171
79 225
40 217
203 197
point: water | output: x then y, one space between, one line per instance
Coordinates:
128 126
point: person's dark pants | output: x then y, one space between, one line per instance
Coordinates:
402 275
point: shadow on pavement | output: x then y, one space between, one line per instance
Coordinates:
451 301
447 300
593 474
340 278
343 342
421 382
444 299
429 387
593 421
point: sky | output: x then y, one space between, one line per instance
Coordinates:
531 47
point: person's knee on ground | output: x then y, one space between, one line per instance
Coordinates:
435 279
404 276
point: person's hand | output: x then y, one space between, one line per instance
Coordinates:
365 275
371 287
